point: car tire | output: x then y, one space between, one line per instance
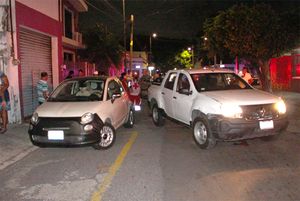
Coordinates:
108 137
157 116
202 133
130 120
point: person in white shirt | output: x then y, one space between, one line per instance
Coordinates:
246 75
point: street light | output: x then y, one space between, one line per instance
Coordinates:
154 35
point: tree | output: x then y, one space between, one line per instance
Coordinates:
256 33
102 47
184 59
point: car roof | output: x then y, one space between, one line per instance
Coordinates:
206 70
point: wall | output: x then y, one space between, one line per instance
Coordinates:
47 7
43 21
281 72
32 19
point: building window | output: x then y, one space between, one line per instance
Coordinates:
68 57
68 23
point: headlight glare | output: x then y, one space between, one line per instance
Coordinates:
34 118
280 107
87 118
231 111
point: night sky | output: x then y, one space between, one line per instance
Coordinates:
178 19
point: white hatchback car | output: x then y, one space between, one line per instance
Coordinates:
82 111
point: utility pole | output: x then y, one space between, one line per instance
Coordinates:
124 33
131 41
193 57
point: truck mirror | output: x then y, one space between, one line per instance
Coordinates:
185 91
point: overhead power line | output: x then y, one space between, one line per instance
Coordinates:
101 11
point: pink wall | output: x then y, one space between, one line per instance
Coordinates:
33 19
48 7
281 72
30 18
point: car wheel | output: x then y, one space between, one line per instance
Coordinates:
130 120
157 116
202 134
108 137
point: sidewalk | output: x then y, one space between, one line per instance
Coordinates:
15 143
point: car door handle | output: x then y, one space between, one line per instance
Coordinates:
174 97
163 93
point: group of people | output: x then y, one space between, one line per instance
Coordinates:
71 74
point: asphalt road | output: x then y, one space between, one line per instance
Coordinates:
148 163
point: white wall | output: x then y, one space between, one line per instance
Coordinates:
47 7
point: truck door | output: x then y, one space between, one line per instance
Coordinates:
183 98
167 93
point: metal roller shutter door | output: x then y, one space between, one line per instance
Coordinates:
35 55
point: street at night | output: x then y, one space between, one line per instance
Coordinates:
149 100
151 163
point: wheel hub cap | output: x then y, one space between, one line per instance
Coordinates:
200 133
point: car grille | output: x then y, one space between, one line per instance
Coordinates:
259 112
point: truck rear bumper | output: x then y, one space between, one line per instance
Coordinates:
238 129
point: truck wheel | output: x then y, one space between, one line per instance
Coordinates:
202 134
107 137
157 116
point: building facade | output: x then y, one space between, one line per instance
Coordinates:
285 71
41 35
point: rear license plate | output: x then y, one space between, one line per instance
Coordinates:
55 135
266 125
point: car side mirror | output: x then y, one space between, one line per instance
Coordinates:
185 91
115 96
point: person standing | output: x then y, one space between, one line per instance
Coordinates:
4 101
42 88
70 75
246 75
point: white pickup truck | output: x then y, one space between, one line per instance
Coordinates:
218 105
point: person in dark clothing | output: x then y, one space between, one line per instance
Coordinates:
70 75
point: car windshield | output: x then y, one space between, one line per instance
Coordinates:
218 81
78 90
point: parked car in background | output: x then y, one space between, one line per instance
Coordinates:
218 105
82 111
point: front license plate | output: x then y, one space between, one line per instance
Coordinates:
55 135
266 125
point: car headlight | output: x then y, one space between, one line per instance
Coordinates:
87 118
34 118
231 111
280 107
